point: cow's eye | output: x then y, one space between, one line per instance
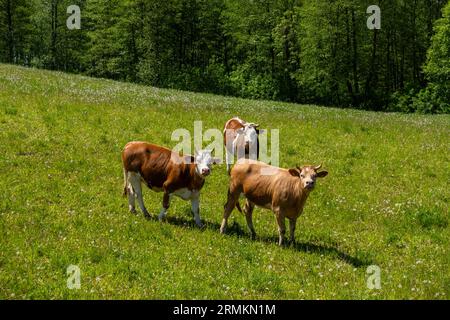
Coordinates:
302 176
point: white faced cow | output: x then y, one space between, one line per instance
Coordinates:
241 138
166 171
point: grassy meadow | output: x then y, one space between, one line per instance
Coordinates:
385 201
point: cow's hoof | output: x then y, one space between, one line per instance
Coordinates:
162 218
147 216
133 210
253 236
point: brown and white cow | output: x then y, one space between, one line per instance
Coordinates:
284 191
241 138
164 170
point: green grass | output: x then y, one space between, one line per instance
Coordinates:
385 201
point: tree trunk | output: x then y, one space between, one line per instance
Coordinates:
54 35
10 37
372 68
355 55
348 58
414 45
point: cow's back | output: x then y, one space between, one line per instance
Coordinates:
251 178
152 162
232 125
265 185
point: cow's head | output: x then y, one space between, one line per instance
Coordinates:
308 175
248 135
249 132
204 162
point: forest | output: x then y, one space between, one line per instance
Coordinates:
305 51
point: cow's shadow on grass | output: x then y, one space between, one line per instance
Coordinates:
235 230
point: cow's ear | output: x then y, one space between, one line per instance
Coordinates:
322 174
294 172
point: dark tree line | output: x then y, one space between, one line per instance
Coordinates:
307 51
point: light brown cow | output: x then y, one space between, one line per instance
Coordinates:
241 138
166 171
284 191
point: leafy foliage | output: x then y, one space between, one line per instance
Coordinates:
311 51
436 97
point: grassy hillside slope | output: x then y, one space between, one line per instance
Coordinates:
385 201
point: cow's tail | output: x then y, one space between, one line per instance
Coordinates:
125 182
236 203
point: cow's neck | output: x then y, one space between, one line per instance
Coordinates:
196 179
302 193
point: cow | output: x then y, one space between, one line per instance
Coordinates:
284 191
163 170
241 137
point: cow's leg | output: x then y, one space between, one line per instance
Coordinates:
228 158
168 190
131 200
292 224
233 197
229 148
248 210
165 206
128 190
195 205
281 226
253 150
135 181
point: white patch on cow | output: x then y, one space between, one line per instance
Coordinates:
162 214
183 193
203 162
228 158
134 185
251 138
195 203
245 136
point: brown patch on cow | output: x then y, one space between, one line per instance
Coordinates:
161 168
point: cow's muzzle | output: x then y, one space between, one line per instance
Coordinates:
309 185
